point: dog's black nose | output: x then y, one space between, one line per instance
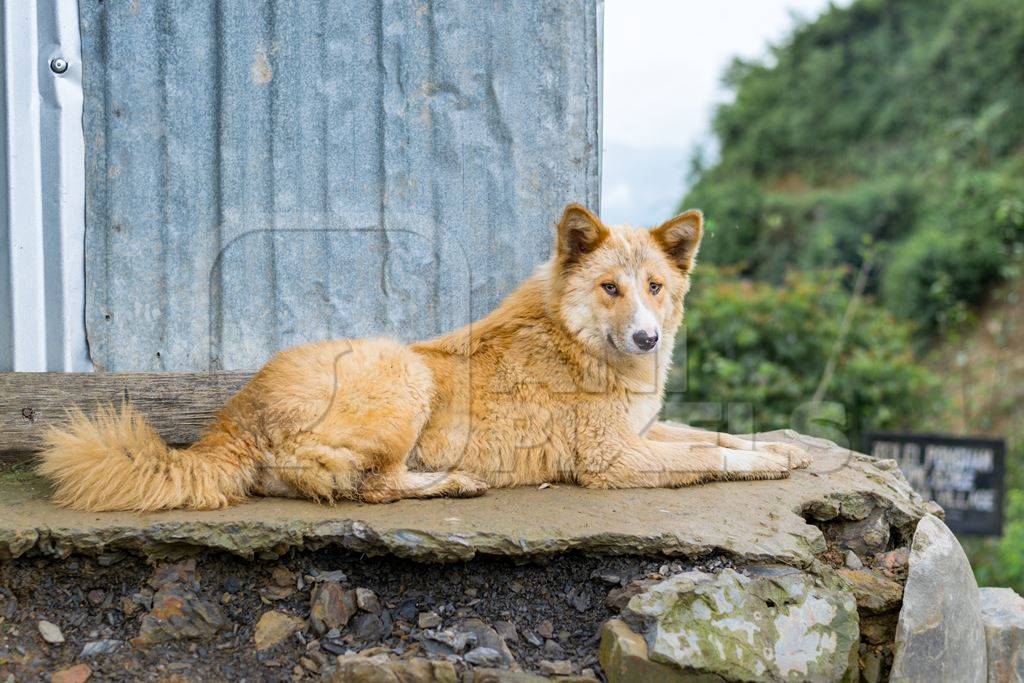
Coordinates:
643 341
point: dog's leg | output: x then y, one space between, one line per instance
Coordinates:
671 433
401 483
345 417
306 467
636 462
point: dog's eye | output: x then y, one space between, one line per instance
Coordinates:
655 287
610 288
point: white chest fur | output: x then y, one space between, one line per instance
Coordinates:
643 411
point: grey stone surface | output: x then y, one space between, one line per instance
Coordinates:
1002 612
353 668
782 625
751 521
939 636
264 174
50 632
626 659
483 636
864 537
875 593
274 627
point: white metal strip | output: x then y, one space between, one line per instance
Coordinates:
44 184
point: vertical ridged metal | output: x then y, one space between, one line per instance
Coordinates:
42 190
265 173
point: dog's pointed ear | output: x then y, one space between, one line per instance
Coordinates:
679 237
579 232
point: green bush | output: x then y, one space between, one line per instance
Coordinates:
894 125
1000 562
889 130
967 241
766 234
763 348
879 86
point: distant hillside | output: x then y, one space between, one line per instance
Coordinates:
885 130
982 370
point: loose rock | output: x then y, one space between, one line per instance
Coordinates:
578 599
879 629
867 536
281 585
178 613
940 635
893 562
852 561
1002 612
559 668
624 658
483 636
274 627
607 576
331 606
100 647
367 601
532 638
507 631
446 642
50 632
367 627
484 656
337 576
167 574
379 669
128 606
545 629
79 673
428 620
618 598
553 649
109 559
871 667
875 594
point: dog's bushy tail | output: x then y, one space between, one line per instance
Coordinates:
116 461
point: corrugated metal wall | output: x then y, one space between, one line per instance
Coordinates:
42 189
265 173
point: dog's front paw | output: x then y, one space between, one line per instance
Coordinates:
798 456
465 485
743 464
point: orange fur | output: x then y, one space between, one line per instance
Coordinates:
551 386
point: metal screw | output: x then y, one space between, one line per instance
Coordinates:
58 65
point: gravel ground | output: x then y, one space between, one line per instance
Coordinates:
550 611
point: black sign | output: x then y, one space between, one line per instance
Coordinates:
964 476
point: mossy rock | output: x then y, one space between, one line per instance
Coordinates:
777 624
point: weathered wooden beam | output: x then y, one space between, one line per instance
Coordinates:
177 404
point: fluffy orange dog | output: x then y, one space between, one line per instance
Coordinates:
563 382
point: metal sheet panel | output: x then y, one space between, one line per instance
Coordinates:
42 190
261 174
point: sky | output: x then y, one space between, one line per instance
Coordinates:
663 63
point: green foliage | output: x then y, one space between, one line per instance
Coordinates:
966 243
1000 562
752 344
766 233
884 130
898 125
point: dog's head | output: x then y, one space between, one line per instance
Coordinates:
620 289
